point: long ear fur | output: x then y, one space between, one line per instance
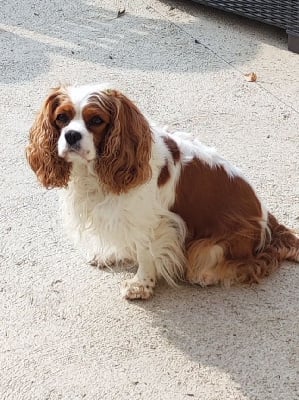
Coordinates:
124 155
42 154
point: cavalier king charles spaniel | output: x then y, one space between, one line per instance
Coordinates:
163 201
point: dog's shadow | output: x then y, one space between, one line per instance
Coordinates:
249 333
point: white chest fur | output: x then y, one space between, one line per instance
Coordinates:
108 223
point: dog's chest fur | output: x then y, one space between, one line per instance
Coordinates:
109 220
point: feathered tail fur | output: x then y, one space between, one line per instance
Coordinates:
213 262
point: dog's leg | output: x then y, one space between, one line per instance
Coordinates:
163 257
204 257
141 286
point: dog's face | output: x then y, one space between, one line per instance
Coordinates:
83 119
90 124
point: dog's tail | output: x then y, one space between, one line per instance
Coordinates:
214 262
281 244
283 241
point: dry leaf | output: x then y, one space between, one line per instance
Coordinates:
251 77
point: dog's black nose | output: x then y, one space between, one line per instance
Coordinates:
72 137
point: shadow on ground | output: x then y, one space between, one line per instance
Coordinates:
34 35
235 330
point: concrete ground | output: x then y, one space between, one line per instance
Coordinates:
65 331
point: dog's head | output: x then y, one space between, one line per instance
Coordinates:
90 125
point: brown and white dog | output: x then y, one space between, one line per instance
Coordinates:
163 201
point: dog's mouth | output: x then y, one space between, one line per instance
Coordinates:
74 149
73 153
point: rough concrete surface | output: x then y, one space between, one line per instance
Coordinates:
65 331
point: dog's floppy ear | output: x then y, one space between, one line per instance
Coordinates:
123 159
42 153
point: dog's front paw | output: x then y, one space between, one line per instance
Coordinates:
111 262
101 263
133 289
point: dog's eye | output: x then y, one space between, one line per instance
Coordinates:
95 121
62 118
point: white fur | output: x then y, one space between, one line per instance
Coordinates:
86 151
79 94
191 147
116 226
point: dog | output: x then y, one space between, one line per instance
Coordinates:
135 192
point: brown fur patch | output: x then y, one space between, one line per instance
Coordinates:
42 153
125 151
164 175
214 205
173 148
224 212
90 111
283 240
